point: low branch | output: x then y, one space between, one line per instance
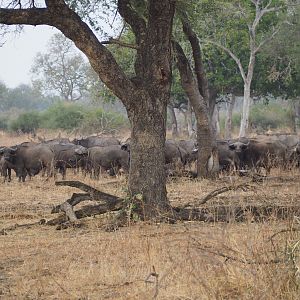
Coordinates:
94 193
233 56
113 41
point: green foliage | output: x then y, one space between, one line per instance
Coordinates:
270 116
63 115
99 120
23 97
68 116
264 116
61 69
26 122
3 123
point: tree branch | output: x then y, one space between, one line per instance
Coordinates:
197 55
137 24
113 41
233 56
265 41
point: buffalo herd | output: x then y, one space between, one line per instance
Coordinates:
98 154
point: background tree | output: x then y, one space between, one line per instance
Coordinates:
279 65
23 98
62 70
240 25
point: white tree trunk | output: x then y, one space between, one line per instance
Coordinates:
246 110
228 121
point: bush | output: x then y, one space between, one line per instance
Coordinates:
100 120
68 116
63 116
236 121
3 123
271 116
26 122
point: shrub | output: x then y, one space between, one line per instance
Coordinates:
3 123
63 116
272 116
68 116
236 120
26 122
100 120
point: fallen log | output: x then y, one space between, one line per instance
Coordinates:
111 203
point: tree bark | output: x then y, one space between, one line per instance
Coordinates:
147 110
189 120
147 178
207 164
228 120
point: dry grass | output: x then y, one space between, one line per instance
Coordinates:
192 260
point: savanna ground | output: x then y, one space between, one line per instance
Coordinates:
186 260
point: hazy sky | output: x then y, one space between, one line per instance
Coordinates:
17 54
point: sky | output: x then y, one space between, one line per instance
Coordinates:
18 53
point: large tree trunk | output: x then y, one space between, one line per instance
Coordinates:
147 107
228 119
199 96
147 176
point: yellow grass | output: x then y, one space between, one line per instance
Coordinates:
147 261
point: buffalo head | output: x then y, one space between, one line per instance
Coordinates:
8 152
238 147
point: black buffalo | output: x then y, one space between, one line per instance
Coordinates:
5 169
228 160
68 156
257 153
93 141
109 158
29 158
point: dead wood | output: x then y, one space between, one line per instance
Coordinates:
4 231
229 213
94 193
242 186
111 203
74 200
86 211
228 257
221 213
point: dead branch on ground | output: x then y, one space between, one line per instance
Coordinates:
243 186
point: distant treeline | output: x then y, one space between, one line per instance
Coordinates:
67 116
